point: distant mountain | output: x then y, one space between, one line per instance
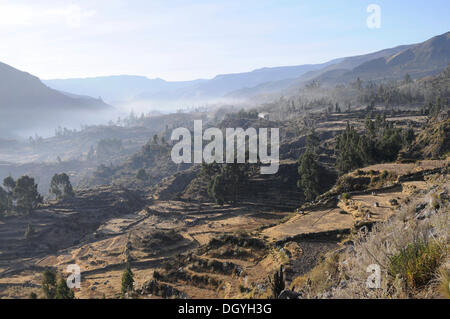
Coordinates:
25 101
118 88
125 88
226 83
22 90
419 60
335 69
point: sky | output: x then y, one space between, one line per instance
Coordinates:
186 39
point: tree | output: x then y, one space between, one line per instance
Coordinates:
218 189
9 183
63 291
381 143
347 154
127 281
277 284
309 171
61 187
26 194
29 232
49 283
55 288
142 175
407 79
224 185
312 141
408 137
3 201
337 108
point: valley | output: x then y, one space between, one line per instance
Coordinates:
362 180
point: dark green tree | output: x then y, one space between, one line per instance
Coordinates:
26 194
347 153
9 184
309 171
29 232
142 175
408 137
224 186
407 79
63 291
277 283
313 141
49 283
3 201
61 187
218 189
127 281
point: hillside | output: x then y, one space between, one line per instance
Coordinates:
426 58
120 88
22 90
417 60
138 88
24 97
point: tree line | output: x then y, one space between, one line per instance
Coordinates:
21 196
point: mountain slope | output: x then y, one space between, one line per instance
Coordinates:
332 69
119 88
25 102
21 89
226 83
127 87
426 58
419 60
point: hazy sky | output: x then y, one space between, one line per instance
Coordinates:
183 40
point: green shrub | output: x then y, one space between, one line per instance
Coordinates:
444 279
417 263
127 281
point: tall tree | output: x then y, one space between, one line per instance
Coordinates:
49 283
26 194
62 291
127 281
9 183
61 187
309 171
3 200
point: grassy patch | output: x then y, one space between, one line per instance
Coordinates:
321 278
417 263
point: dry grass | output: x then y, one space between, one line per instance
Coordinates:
413 256
320 279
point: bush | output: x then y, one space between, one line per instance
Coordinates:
321 278
444 279
417 263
